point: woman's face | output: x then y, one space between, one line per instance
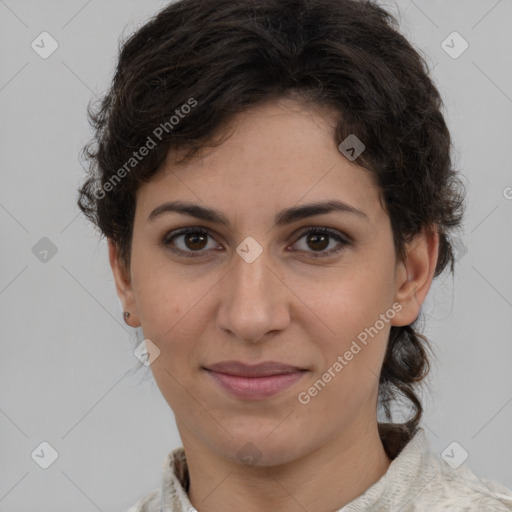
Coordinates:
253 290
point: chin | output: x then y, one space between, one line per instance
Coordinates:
260 451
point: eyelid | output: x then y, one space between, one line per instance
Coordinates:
316 227
169 237
343 240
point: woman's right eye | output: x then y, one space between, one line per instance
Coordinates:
192 238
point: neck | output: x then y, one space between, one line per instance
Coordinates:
323 480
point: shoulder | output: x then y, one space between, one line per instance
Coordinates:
457 490
462 490
172 493
421 480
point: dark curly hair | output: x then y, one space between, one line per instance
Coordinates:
184 74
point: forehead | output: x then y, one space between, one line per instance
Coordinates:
274 155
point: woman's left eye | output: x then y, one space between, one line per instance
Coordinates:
196 239
321 237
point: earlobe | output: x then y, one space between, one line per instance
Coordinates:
123 285
414 276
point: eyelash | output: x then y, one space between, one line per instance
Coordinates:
166 241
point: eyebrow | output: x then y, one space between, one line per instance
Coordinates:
283 218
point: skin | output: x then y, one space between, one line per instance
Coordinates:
287 306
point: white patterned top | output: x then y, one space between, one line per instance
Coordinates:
417 480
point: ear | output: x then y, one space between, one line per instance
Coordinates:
414 277
123 284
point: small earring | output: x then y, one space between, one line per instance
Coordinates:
126 315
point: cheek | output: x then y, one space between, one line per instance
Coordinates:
163 294
349 302
171 304
351 327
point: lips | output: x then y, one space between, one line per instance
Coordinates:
264 369
254 382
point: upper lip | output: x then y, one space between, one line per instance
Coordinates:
263 369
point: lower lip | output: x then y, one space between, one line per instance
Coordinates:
256 387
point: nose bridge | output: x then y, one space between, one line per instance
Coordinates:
251 275
251 281
250 266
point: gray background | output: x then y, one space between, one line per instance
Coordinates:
67 372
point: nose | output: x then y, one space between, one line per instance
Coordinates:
254 300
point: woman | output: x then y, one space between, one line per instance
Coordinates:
275 183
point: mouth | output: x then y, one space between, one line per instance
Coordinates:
254 381
264 369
